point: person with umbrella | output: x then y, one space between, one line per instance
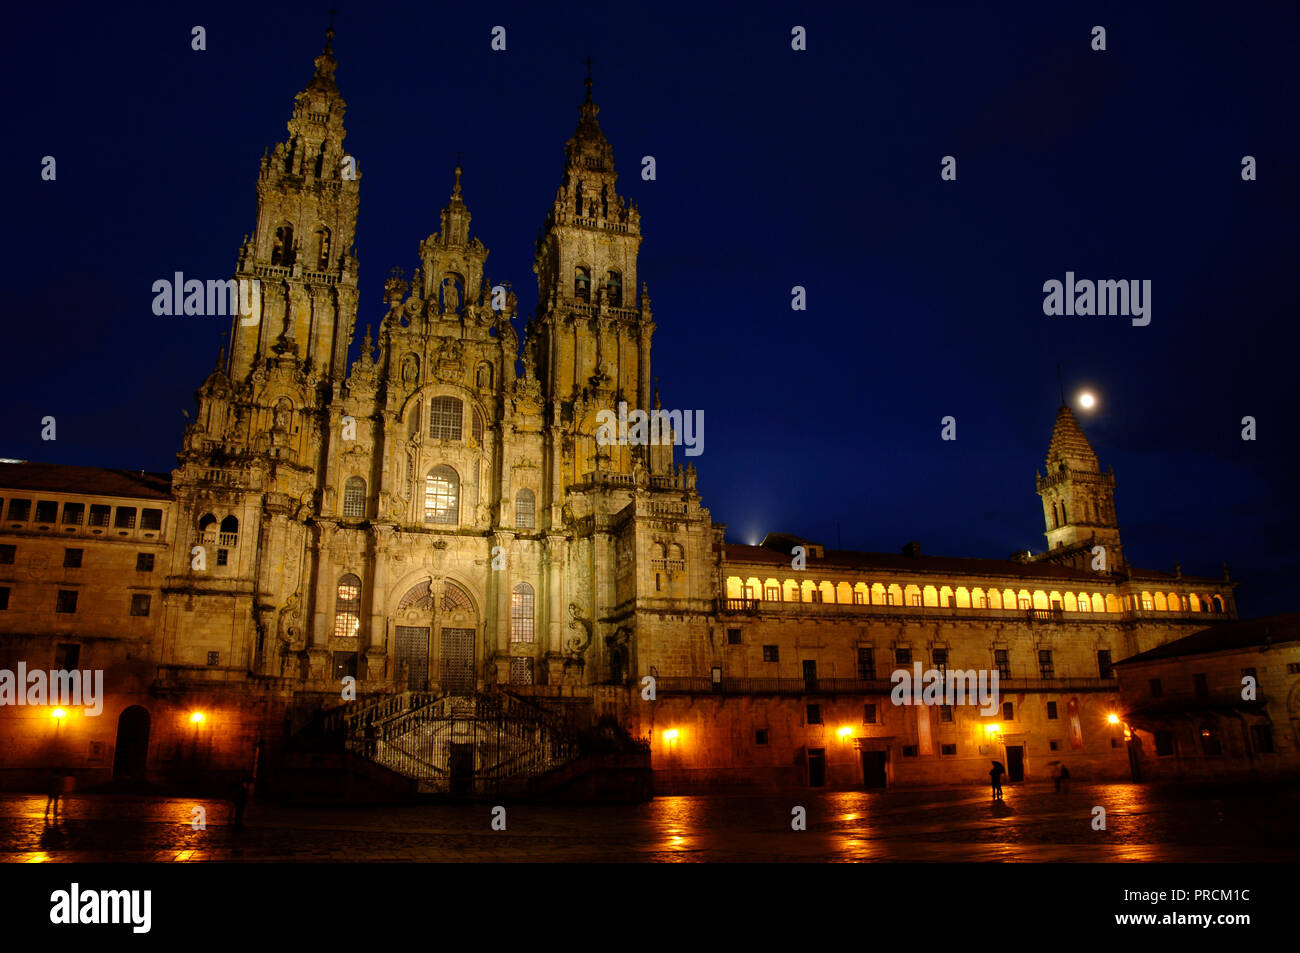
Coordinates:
996 775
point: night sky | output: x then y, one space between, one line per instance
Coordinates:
775 168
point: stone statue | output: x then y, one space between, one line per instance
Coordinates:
450 296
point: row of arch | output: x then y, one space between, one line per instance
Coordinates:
229 525
1086 512
613 285
283 252
894 594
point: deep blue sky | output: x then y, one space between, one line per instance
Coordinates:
775 168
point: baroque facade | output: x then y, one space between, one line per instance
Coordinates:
432 523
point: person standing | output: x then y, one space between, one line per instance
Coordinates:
54 791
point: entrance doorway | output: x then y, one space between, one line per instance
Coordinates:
873 768
132 753
1015 763
816 767
460 768
458 661
412 651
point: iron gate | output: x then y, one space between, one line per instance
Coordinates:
413 652
457 662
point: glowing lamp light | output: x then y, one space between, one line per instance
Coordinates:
845 731
1112 719
197 718
1087 400
670 735
58 714
992 729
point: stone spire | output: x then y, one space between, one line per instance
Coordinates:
325 66
455 217
1078 499
1069 445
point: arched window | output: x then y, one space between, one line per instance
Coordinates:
521 613
582 283
614 289
322 248
477 427
282 250
1056 517
524 517
442 496
445 415
347 608
354 498
1064 518
207 522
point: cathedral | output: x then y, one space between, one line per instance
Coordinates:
428 551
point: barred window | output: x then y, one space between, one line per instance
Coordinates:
20 509
445 418
347 607
1002 659
524 517
441 496
1045 667
73 513
149 519
124 518
47 511
521 671
866 663
521 613
354 498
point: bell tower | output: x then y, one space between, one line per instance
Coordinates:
1078 500
590 342
301 250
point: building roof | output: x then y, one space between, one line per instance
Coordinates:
1227 635
852 560
91 481
849 559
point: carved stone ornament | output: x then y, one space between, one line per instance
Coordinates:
577 645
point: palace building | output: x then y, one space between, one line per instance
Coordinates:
429 557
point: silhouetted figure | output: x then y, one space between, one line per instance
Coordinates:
1064 779
996 775
239 794
54 791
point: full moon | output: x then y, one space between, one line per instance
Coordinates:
1086 400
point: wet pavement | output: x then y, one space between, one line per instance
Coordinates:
1034 823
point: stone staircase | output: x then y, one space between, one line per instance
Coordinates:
464 744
